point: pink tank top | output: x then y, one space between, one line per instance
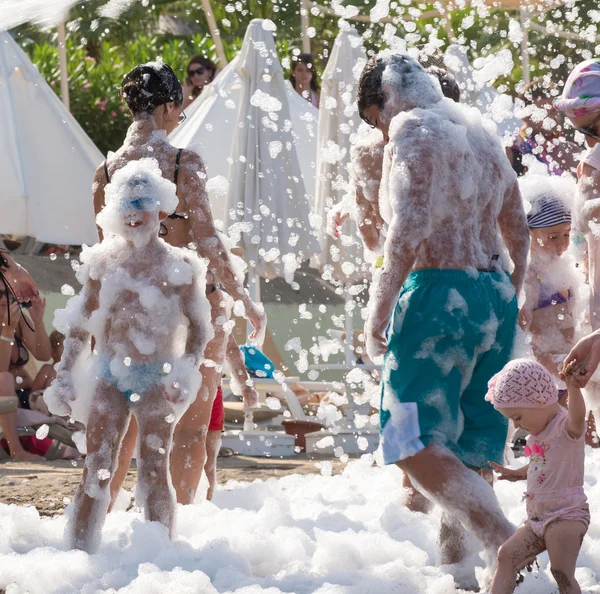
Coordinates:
556 460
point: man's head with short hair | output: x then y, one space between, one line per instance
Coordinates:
391 83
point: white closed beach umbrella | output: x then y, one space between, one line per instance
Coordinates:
268 205
47 161
340 259
211 126
477 91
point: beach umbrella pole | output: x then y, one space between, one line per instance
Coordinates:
62 58
523 17
214 32
305 24
349 346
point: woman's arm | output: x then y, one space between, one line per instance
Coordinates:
584 358
241 384
43 378
36 341
98 193
209 243
7 332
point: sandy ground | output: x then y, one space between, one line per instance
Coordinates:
50 485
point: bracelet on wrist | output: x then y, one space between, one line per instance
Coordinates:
10 339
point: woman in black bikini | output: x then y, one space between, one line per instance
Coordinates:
27 334
155 97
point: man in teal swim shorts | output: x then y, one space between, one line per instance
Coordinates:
443 309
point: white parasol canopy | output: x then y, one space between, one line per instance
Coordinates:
340 259
210 129
47 161
492 104
268 206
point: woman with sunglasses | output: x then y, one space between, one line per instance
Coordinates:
304 78
200 72
154 97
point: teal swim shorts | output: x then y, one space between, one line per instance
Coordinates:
451 331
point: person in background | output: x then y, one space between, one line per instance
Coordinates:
154 97
304 78
366 170
27 336
200 72
46 374
558 514
541 136
443 276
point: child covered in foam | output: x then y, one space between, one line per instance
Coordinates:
144 303
553 280
558 514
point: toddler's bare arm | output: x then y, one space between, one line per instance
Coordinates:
510 474
199 330
78 334
513 226
576 425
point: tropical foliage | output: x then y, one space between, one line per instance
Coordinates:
101 49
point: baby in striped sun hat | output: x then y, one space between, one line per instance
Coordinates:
552 280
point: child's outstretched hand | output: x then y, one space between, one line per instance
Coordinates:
509 474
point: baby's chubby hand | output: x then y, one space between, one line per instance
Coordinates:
509 474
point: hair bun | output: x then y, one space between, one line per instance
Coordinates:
149 85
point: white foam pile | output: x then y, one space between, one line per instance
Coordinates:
321 534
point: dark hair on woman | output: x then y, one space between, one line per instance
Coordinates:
448 83
203 61
149 85
309 62
370 87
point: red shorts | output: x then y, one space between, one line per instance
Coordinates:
217 417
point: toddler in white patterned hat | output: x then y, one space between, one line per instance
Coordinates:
557 511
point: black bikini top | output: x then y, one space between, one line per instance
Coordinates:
23 357
175 215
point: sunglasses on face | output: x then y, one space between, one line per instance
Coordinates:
181 117
589 130
199 71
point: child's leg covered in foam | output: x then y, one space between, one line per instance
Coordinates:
108 421
517 552
155 490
